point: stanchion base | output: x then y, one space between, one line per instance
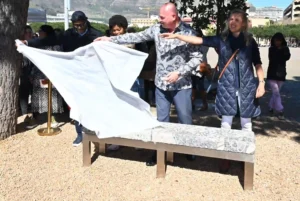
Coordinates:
53 131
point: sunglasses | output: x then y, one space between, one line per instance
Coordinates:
79 25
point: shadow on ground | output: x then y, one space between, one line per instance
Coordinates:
265 125
62 119
200 164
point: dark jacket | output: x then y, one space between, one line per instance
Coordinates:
42 42
72 40
240 68
277 63
27 66
150 62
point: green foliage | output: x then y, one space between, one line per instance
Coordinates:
210 31
138 29
60 25
208 10
266 32
100 27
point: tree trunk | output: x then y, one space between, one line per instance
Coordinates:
13 17
220 16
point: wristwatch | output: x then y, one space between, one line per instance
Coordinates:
261 81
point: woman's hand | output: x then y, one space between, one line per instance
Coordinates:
260 90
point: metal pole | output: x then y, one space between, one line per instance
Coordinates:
49 131
49 106
66 6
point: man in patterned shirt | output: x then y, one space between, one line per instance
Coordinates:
176 61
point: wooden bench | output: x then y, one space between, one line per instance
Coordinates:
186 139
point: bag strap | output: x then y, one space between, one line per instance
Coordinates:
228 62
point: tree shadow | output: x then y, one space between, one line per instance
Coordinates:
265 125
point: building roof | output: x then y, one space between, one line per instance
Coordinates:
36 15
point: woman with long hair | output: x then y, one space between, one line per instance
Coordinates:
238 89
39 102
279 53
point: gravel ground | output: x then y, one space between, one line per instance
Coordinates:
49 168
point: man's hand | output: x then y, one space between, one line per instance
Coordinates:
23 41
260 90
172 77
103 38
168 35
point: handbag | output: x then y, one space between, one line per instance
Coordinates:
216 77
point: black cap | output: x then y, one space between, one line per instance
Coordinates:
78 16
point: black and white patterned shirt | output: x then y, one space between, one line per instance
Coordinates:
172 54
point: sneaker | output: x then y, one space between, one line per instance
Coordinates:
31 123
281 116
113 147
77 141
54 123
27 119
271 111
151 161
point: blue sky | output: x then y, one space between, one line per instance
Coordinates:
278 3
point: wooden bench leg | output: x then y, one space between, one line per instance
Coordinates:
86 150
96 145
161 164
170 157
102 148
248 176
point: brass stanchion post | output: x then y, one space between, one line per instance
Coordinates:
49 131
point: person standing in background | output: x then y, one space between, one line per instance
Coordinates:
279 53
81 34
176 62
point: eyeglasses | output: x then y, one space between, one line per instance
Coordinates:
81 25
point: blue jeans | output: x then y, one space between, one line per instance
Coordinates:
136 87
78 128
183 103
24 91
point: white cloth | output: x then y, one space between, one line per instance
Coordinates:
95 81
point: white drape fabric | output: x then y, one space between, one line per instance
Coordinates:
95 81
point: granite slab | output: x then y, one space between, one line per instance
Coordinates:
197 136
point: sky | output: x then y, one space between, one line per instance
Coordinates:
278 3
